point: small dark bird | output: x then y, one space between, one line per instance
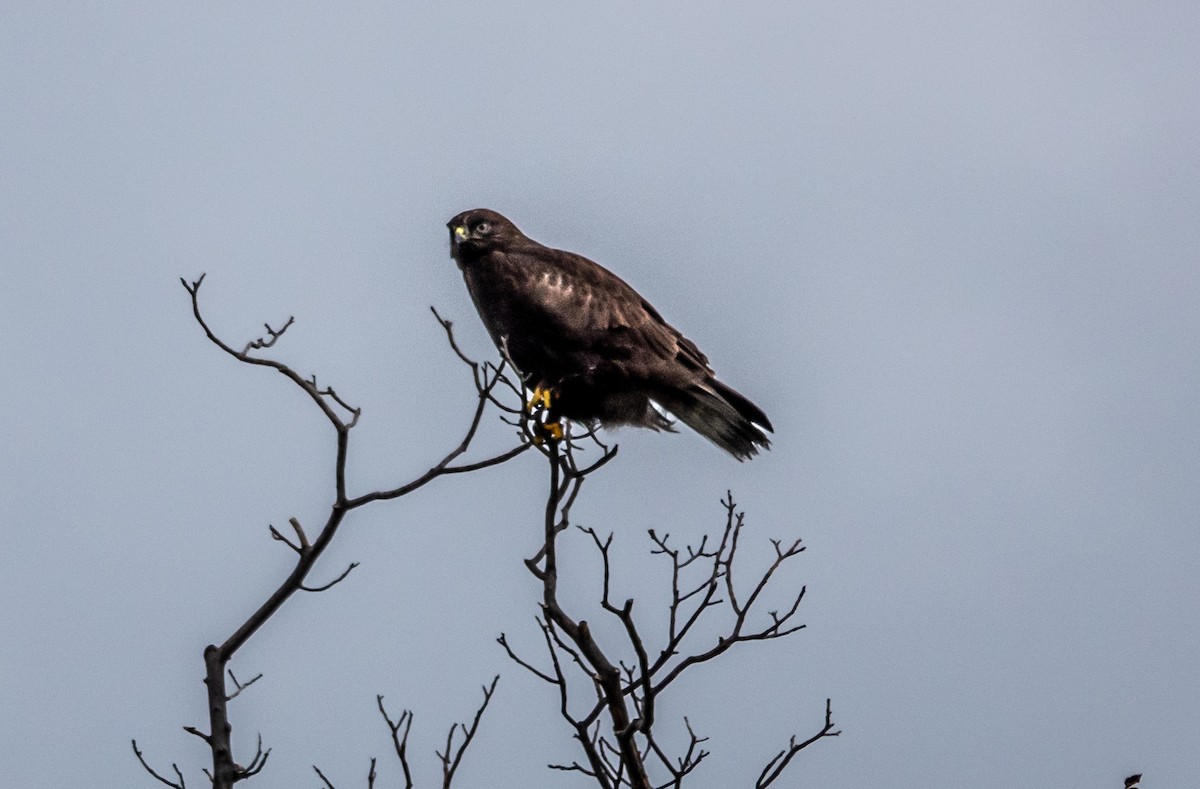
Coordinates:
1132 781
592 349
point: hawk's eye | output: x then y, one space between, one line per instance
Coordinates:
483 228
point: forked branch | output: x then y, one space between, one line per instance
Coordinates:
452 755
489 381
178 783
777 765
617 731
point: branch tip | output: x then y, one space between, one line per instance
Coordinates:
177 784
332 583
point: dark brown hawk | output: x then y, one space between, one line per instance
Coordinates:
591 349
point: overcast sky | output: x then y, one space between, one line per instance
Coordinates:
950 248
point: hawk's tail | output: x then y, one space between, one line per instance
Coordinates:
721 415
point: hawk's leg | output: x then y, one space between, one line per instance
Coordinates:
550 425
542 397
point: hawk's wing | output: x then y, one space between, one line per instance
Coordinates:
597 311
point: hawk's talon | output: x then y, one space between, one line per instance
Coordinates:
547 431
546 423
541 398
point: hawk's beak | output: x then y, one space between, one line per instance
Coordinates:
460 233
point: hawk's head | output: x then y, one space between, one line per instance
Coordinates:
479 231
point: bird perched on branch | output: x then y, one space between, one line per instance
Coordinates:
589 347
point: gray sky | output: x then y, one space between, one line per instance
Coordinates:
950 248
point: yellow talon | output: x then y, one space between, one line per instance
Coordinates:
544 431
541 397
548 430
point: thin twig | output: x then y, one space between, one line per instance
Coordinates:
332 583
256 764
778 764
324 780
503 641
450 761
272 336
240 686
399 740
178 785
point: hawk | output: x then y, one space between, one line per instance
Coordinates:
589 347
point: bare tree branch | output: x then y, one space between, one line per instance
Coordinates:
450 761
332 583
177 784
616 731
444 467
627 693
275 535
257 763
778 764
343 417
324 780
608 676
503 641
241 686
399 741
198 733
272 334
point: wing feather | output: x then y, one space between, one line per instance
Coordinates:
597 311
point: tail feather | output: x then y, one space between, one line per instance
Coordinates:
721 415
